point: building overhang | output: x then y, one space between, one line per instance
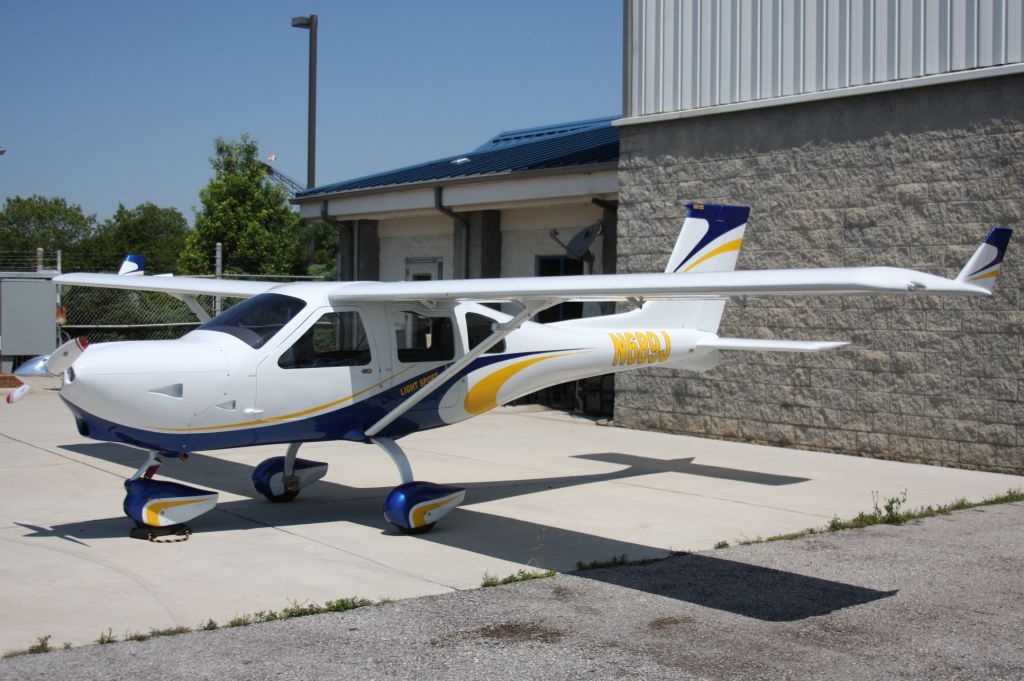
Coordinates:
823 95
501 191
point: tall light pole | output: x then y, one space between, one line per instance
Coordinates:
310 23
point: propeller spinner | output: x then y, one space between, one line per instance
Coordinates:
46 371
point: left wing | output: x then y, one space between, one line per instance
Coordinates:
975 279
182 286
662 286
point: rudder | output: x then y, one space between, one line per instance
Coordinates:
709 241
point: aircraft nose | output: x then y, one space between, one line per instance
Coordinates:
146 383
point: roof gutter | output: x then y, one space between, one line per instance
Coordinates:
441 208
586 169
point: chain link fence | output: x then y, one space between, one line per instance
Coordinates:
103 315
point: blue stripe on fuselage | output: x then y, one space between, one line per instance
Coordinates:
345 423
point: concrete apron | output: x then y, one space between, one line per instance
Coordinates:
545 491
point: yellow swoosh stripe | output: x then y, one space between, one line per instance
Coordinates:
724 248
286 417
419 515
484 395
988 275
153 510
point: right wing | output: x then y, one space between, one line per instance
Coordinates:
183 286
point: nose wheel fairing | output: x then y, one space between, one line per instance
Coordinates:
161 503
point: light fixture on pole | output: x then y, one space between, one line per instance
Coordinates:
310 23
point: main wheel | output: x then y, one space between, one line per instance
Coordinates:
269 479
415 530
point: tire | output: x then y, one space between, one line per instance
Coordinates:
416 530
282 498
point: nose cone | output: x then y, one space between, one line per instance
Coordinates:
34 373
146 384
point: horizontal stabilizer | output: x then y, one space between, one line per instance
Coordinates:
758 345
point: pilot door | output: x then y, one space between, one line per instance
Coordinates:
311 386
424 343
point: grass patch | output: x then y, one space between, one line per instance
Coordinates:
42 645
302 610
152 633
521 576
889 512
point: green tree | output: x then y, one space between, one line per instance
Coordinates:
248 214
156 233
48 223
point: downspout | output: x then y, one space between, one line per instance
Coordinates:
340 226
440 207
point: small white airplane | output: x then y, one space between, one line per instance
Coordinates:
372 362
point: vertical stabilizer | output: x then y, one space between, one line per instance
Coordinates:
983 267
709 241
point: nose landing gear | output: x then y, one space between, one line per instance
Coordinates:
161 507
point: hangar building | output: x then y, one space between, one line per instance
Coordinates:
869 132
483 213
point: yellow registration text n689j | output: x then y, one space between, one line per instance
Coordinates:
640 347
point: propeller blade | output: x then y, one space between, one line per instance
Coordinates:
65 355
21 391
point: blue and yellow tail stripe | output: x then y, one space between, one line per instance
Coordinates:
721 219
999 239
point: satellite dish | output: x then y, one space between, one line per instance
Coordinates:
578 247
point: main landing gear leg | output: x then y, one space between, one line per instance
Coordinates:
415 507
160 507
280 478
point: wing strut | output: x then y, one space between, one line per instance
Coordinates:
193 305
500 331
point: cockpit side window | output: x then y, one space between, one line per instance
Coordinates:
419 338
478 328
256 320
337 339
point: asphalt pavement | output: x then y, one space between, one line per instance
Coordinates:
934 599
545 491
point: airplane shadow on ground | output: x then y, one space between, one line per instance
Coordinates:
740 588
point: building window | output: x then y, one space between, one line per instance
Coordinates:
423 269
337 339
419 338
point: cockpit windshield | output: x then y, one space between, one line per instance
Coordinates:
256 320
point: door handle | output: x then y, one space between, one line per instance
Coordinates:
367 371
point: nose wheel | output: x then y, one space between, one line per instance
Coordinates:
162 507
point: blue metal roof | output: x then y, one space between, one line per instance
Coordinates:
552 146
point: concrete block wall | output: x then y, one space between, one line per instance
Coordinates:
912 178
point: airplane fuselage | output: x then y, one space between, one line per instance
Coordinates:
328 372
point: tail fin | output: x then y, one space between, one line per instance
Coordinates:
708 242
133 265
983 267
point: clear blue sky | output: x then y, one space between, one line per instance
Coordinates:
111 102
